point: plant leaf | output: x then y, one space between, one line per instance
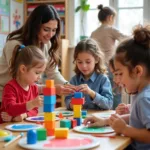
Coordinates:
78 8
86 7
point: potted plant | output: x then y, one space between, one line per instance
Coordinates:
84 7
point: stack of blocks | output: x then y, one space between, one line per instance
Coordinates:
41 134
49 93
77 101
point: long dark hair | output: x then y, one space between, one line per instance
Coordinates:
135 50
28 33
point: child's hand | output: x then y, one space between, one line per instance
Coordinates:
86 90
20 118
118 124
95 122
6 117
37 102
122 109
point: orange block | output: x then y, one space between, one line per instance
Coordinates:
50 132
49 91
61 116
49 124
49 83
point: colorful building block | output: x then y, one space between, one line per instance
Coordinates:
79 121
65 123
78 95
49 107
31 137
84 112
41 134
61 133
49 91
77 101
77 114
73 123
49 116
49 124
77 107
50 132
49 83
50 99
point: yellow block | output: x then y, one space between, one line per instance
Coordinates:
49 116
77 114
61 133
77 107
49 83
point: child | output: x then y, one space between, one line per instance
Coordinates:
106 34
119 93
132 62
90 77
20 95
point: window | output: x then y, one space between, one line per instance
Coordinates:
130 13
92 15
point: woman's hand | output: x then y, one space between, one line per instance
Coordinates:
95 122
6 117
65 89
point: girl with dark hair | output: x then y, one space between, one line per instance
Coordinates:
20 97
91 77
132 62
41 29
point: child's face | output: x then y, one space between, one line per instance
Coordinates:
33 75
116 75
130 83
86 64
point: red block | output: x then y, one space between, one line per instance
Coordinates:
73 123
49 91
50 132
77 101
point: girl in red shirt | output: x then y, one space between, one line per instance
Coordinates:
20 97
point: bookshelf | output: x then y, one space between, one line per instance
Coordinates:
60 5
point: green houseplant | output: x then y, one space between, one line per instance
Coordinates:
84 7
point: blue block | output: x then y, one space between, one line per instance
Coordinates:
65 123
50 99
49 107
78 95
79 121
84 112
31 137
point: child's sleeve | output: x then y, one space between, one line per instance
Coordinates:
9 99
104 99
34 111
68 97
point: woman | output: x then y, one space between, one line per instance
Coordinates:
41 29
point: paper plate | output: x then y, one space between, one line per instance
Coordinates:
38 119
73 142
23 127
64 113
103 114
4 134
84 129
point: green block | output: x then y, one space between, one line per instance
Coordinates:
65 123
41 134
83 116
